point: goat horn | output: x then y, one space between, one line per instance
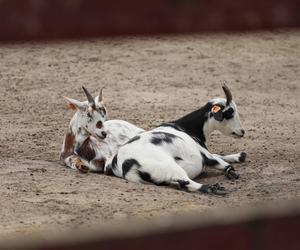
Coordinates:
89 96
100 94
227 93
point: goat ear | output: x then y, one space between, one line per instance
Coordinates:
74 104
217 112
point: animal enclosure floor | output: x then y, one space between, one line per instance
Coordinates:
148 81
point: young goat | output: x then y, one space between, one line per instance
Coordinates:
91 141
175 152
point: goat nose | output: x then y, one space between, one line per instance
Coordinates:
104 134
243 132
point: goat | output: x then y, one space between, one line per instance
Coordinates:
175 152
87 121
91 141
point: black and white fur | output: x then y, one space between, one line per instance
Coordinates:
175 152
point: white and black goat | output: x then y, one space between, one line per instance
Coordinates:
91 141
175 152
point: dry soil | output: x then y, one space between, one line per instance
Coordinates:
148 81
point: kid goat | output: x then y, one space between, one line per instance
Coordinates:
90 140
175 152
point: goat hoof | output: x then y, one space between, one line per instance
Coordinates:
217 185
230 173
242 157
215 189
81 167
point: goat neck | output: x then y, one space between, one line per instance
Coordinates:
197 124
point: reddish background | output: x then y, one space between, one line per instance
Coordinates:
55 19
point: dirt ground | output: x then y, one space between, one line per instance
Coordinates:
148 81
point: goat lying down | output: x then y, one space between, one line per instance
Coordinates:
175 152
172 153
90 141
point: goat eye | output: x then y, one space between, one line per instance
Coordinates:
228 114
102 111
99 124
89 115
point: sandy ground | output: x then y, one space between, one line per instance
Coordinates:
148 80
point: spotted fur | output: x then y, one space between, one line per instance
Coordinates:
91 141
97 154
173 153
